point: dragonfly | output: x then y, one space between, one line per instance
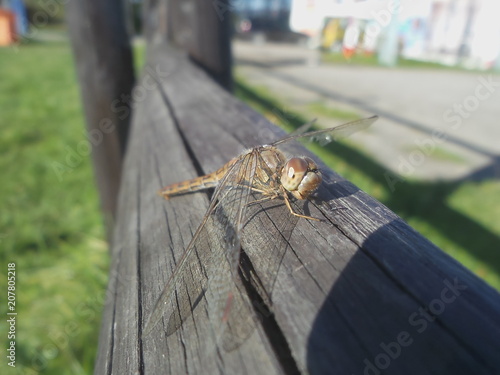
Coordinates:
208 267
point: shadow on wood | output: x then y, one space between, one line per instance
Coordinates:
405 309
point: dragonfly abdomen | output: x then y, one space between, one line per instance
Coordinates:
196 184
207 181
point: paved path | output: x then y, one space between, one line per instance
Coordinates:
435 124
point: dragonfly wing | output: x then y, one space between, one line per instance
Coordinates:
187 285
229 298
265 254
240 321
226 298
303 128
209 265
325 136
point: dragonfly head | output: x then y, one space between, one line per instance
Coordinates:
301 177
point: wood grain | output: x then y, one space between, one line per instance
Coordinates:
343 291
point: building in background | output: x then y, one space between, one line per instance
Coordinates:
261 15
465 32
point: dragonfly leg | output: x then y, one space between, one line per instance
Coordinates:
161 193
267 198
260 191
287 202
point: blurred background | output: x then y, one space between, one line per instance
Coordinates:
429 69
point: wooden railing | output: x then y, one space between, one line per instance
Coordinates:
357 293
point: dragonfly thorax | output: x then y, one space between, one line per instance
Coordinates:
301 177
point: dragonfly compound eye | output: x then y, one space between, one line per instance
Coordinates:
293 173
302 184
309 184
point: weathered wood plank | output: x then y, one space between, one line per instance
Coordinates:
118 348
344 290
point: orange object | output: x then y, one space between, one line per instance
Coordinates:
348 52
7 28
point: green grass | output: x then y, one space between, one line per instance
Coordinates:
361 59
321 109
357 59
50 224
439 154
462 218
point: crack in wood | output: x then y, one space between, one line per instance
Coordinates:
263 311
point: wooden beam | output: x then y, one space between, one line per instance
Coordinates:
104 65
